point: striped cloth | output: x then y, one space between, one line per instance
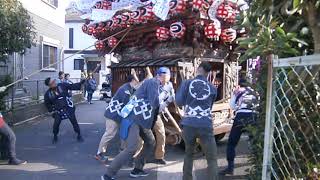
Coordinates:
245 100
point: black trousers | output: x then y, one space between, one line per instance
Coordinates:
89 97
7 132
57 122
209 146
241 121
148 147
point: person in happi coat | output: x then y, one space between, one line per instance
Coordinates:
60 104
7 133
197 96
244 101
166 97
112 115
139 116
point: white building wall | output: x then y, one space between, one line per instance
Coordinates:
50 13
80 39
48 22
69 65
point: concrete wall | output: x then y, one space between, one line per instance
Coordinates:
32 111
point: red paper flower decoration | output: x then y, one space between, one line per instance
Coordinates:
98 5
232 4
85 28
110 23
232 18
205 5
224 11
112 42
117 22
146 13
92 29
120 20
126 18
177 30
101 26
106 5
177 7
96 34
228 35
136 16
197 4
99 45
212 31
162 33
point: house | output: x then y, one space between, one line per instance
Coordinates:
48 21
88 60
48 18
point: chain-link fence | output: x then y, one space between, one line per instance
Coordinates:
29 92
292 134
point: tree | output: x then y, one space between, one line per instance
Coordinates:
284 28
16 34
309 10
275 29
16 29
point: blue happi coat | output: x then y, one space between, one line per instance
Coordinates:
197 96
120 99
146 102
60 101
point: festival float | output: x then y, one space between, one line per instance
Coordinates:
179 34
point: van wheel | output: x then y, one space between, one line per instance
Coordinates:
219 137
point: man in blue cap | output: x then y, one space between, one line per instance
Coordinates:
165 98
10 145
139 114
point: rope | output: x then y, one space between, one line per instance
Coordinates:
120 40
3 88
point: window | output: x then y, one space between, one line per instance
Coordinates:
49 56
53 3
93 66
79 64
70 38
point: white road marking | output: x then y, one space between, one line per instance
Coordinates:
171 171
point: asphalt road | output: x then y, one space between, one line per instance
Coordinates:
70 160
